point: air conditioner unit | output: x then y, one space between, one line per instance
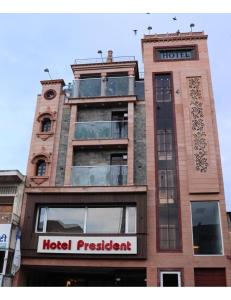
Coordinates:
125 157
125 115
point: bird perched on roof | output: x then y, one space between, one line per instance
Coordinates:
174 19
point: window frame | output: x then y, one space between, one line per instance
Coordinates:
44 230
219 215
37 165
46 118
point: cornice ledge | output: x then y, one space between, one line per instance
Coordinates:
53 81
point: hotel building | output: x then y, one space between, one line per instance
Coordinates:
124 181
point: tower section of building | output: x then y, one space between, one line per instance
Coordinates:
187 227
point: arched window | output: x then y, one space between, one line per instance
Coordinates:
41 168
46 125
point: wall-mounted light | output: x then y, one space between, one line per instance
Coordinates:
191 26
47 71
149 29
101 54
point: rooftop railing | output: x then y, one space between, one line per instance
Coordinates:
100 60
108 175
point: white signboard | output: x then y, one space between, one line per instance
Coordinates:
4 235
87 245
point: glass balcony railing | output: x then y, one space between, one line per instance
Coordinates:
101 130
117 86
105 86
99 175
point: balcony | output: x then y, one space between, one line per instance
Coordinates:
107 175
103 87
9 190
101 130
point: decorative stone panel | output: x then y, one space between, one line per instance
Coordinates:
200 144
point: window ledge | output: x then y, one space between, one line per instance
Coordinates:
39 179
45 135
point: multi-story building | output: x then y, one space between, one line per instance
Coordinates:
124 180
11 195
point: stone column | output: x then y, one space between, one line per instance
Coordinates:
130 180
69 159
103 84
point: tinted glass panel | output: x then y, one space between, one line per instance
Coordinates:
65 220
206 228
117 86
41 216
105 220
90 87
131 219
169 236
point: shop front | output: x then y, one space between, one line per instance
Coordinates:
82 277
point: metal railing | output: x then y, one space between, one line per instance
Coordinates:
8 189
103 86
100 60
101 130
99 175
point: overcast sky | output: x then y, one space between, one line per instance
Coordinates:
31 42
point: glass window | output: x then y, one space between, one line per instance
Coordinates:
65 220
206 228
41 168
131 220
166 178
46 125
164 143
105 220
41 218
87 219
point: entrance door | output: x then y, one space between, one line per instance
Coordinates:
210 277
170 279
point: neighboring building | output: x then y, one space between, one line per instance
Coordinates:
11 194
124 183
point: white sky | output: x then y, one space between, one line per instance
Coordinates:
31 42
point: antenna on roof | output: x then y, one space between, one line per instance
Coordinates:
47 71
191 26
